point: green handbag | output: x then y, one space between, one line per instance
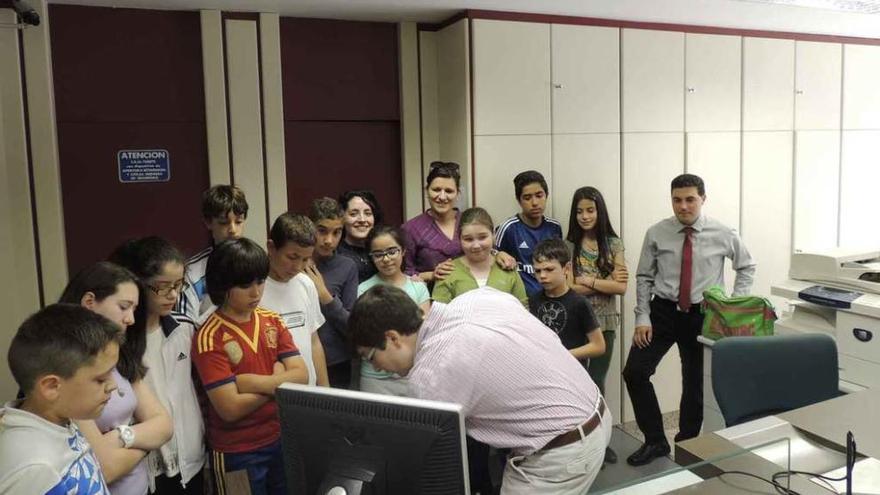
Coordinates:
736 316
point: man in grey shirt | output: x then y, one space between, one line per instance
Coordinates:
681 257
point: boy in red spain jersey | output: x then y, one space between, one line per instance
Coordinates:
235 353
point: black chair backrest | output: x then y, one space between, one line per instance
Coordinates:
759 376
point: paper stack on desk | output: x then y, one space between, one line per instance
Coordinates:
866 478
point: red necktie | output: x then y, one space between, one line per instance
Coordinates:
687 268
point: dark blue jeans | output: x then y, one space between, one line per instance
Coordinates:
265 469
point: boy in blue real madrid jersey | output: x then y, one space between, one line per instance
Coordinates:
519 234
63 359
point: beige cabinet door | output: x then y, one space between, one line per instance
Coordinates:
586 160
652 67
817 85
712 82
859 176
586 79
497 160
861 80
714 156
816 189
768 84
766 206
591 160
511 77
650 162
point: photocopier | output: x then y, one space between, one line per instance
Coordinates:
837 291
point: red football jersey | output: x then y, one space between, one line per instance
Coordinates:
223 349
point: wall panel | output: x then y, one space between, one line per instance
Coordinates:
342 111
861 78
652 68
106 103
816 189
650 162
767 207
370 159
713 76
768 84
817 85
511 80
859 176
497 161
586 79
339 70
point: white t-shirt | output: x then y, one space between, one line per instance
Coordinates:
297 303
37 456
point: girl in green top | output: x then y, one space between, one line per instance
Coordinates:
477 268
599 273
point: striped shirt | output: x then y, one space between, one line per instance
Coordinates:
518 386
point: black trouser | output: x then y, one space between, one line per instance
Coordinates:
478 467
339 375
669 326
171 486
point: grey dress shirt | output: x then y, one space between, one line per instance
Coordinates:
660 262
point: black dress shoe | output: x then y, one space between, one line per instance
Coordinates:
647 453
610 456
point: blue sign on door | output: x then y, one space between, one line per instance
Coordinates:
144 166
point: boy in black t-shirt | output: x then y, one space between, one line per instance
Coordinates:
564 311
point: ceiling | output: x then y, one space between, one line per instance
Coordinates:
842 17
855 6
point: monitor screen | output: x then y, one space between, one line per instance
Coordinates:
345 442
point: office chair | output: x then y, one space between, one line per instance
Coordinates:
755 377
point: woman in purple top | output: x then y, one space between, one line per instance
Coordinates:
432 237
133 422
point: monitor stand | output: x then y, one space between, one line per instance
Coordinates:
354 477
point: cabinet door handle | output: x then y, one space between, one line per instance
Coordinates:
799 92
691 90
557 85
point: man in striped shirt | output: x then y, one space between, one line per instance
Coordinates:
520 389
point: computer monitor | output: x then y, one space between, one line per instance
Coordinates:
355 443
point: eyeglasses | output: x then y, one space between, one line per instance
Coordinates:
369 357
165 290
391 253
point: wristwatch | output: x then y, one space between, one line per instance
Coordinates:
126 434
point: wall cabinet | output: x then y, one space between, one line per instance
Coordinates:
768 84
712 82
817 85
652 71
861 78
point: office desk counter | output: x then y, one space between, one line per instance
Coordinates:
818 438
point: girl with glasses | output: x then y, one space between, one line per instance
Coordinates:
165 343
386 249
133 422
